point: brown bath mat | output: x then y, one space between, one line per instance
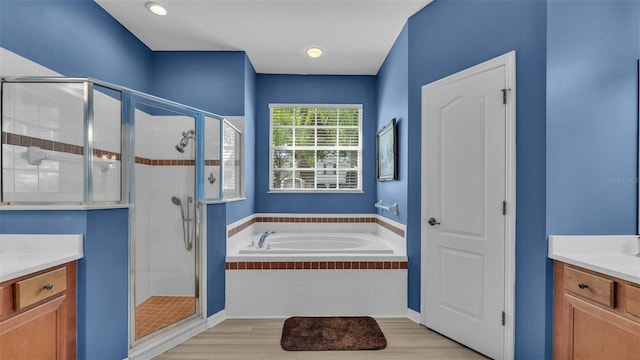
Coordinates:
332 333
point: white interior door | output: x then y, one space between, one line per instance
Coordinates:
464 200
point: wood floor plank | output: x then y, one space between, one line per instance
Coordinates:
248 339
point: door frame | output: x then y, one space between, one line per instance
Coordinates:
507 60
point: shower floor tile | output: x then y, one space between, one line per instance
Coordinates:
157 312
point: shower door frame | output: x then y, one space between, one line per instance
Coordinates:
127 178
129 107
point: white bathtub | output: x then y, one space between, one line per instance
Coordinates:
317 243
316 268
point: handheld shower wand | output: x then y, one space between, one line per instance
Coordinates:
188 242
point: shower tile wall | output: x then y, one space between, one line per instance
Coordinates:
163 265
50 116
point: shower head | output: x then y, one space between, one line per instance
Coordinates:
189 134
176 201
186 135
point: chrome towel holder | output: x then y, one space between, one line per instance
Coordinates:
393 208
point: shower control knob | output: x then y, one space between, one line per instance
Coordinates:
432 221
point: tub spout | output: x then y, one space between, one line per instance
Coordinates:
263 237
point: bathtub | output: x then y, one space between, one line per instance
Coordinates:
317 243
315 265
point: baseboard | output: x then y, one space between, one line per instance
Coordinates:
216 318
414 316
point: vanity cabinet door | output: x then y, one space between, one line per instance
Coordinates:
38 315
34 334
595 333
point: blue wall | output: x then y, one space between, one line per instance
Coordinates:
592 123
577 91
102 284
449 36
312 89
75 38
216 255
240 209
78 38
393 102
209 80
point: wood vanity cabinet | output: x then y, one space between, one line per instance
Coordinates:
595 316
38 315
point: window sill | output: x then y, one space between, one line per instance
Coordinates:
315 192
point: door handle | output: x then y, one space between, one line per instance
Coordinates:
432 221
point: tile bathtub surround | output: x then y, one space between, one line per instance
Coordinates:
316 292
316 265
267 219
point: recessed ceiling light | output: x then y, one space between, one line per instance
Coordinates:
156 9
314 52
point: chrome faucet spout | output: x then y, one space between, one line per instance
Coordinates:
263 237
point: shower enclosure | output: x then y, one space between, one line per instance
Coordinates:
85 142
165 226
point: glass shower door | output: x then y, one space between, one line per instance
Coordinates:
165 216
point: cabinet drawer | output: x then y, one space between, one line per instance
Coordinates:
632 300
588 286
38 288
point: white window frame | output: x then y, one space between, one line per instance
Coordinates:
317 170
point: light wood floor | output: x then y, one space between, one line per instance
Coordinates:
260 339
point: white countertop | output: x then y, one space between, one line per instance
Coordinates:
25 254
613 255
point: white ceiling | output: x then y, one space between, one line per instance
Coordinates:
356 35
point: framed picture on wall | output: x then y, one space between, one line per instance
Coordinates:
387 152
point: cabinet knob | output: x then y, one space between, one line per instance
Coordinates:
49 286
583 285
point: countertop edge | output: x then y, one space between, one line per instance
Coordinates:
566 258
40 266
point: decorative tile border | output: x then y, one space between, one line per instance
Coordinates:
316 265
164 162
390 227
26 141
172 162
106 154
262 219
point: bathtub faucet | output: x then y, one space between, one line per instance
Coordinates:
263 237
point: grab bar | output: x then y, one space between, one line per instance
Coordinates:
393 208
35 155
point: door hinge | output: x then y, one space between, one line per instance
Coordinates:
504 318
504 95
504 208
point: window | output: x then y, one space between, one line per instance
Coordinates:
306 141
